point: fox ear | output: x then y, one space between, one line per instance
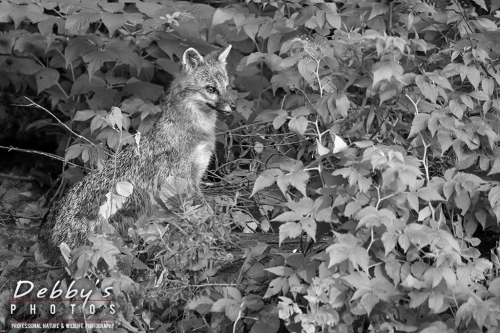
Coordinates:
224 53
191 59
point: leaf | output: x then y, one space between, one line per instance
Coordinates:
145 90
494 198
279 121
78 23
222 15
429 194
113 21
115 118
413 200
84 84
276 286
124 189
76 48
46 78
419 123
234 293
436 301
221 304
343 105
96 59
201 304
307 68
114 202
289 230
298 125
309 226
251 28
322 150
288 216
385 71
253 302
84 115
389 239
456 108
428 90
299 179
266 179
333 19
25 66
368 301
267 322
280 270
339 144
417 298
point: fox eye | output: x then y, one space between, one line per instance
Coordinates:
211 90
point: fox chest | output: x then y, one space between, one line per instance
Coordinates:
201 159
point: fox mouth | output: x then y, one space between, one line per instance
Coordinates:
217 109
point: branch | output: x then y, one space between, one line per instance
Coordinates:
59 121
56 157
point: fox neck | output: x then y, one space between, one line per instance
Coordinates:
188 113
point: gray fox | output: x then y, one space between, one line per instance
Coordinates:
180 144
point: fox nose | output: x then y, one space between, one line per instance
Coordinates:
232 106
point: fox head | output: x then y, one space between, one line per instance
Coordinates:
203 82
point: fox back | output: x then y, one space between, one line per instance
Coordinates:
180 144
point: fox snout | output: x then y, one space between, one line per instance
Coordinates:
227 106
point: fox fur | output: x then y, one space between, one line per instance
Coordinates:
180 144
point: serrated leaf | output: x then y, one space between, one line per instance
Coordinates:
456 108
113 21
222 15
78 23
298 125
309 226
429 194
299 179
413 200
145 90
288 216
494 198
307 68
289 230
419 124
76 48
279 121
266 179
368 301
96 59
436 300
385 71
428 90
74 151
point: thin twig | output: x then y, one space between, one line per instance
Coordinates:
59 121
42 153
28 178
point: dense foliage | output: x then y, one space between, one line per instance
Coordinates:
368 130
